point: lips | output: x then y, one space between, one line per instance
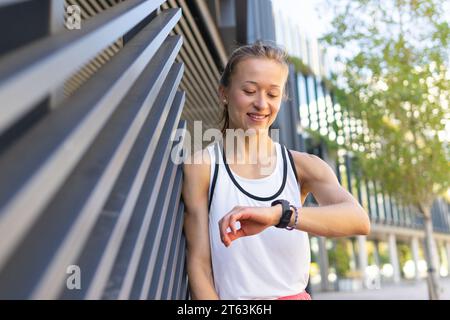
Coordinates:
257 117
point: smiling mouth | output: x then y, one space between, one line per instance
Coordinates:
256 117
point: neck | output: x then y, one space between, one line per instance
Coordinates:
242 147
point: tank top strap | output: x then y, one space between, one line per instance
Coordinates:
214 156
282 165
217 156
291 161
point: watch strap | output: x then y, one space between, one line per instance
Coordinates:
286 213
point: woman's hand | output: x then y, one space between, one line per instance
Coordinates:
253 220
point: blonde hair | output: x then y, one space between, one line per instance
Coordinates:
258 49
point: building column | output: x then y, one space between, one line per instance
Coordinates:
394 257
362 258
376 254
437 260
447 251
376 258
323 263
353 258
415 256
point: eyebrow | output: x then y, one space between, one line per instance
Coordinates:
256 83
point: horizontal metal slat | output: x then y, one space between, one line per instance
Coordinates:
213 31
123 273
58 142
184 283
198 66
162 266
197 96
180 275
193 64
169 278
192 104
107 233
121 203
69 217
11 2
147 256
23 70
199 45
155 235
87 217
110 252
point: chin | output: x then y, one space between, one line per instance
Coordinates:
258 127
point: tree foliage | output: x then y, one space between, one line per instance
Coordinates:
395 87
340 258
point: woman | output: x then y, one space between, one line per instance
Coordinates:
246 230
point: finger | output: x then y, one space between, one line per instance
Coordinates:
223 225
234 236
232 223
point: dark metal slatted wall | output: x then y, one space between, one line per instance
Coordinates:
89 9
90 184
203 66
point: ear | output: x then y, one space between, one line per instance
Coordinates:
223 93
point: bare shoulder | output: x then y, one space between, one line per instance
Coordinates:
310 167
196 175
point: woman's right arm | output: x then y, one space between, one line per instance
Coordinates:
196 227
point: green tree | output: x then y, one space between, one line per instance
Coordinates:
340 258
404 254
394 85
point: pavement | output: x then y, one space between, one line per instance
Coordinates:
388 291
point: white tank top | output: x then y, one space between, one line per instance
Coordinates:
271 264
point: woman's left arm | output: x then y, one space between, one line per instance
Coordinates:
339 214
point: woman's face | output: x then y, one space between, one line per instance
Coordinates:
255 93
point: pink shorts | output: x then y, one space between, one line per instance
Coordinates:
301 296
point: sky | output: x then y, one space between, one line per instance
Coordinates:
303 12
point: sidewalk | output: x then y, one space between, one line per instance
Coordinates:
401 291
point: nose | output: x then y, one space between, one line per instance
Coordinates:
260 101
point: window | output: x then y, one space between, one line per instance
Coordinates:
314 124
303 100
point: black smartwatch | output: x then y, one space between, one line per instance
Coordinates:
286 213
